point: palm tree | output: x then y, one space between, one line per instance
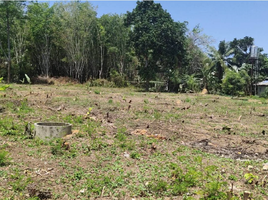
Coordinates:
221 58
206 71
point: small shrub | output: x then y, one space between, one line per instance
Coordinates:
214 190
183 180
3 87
264 94
192 83
100 83
158 186
118 80
56 149
235 83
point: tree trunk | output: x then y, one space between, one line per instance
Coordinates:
101 64
147 78
8 46
147 84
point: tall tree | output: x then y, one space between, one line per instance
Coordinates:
113 36
241 50
21 62
40 20
242 56
77 23
197 44
10 10
158 40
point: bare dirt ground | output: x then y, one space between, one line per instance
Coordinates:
221 129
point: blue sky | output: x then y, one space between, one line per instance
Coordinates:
222 20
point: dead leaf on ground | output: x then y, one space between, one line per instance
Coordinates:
179 102
75 131
139 132
146 133
65 145
67 137
159 137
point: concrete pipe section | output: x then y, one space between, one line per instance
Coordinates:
49 130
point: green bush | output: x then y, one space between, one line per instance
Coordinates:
100 83
214 190
264 94
235 83
118 80
192 84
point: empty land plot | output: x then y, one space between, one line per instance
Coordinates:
128 144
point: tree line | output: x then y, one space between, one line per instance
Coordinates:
144 45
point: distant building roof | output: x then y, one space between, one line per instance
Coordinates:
265 82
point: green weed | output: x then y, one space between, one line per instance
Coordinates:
146 101
184 180
19 181
232 178
157 115
4 158
158 187
188 100
135 155
3 87
250 178
97 144
121 136
214 190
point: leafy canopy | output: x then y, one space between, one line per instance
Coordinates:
158 40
